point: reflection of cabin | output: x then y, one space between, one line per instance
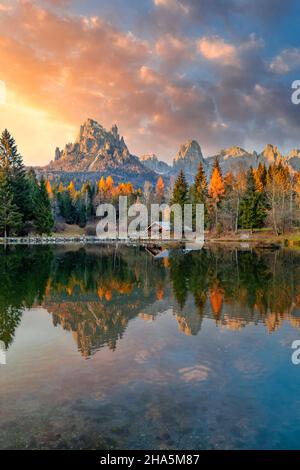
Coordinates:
157 251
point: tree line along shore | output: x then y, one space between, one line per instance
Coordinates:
264 200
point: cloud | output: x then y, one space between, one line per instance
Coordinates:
162 88
204 10
174 50
175 5
58 3
4 7
150 77
216 49
196 373
72 66
287 61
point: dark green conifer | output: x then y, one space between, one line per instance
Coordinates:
252 208
43 216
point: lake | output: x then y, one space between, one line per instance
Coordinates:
109 347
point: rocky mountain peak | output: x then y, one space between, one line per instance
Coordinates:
93 145
293 159
89 128
99 150
188 157
114 131
234 152
270 154
149 156
151 161
294 153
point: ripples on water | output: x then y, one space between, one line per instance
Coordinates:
114 348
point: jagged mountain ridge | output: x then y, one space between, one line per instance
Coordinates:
231 159
97 151
188 158
151 161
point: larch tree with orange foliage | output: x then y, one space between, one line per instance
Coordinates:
49 189
109 183
72 190
260 177
160 190
216 188
102 185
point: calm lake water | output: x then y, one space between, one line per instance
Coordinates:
113 348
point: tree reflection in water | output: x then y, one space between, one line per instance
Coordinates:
94 292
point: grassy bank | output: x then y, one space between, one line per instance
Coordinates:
257 237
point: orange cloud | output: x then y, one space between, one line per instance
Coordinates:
66 68
216 49
173 49
60 69
71 67
175 5
4 7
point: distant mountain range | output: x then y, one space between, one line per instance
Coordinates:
97 151
232 159
187 159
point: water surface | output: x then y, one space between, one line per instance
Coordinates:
113 348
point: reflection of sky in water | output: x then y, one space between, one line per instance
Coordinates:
176 378
159 388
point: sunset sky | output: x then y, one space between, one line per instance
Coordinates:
219 71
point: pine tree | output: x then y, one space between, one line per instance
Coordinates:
12 164
33 186
199 191
10 217
252 209
43 218
180 191
81 212
66 207
88 192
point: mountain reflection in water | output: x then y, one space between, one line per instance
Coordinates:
94 292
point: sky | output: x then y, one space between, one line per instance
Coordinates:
165 71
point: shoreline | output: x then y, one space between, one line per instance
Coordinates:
271 242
